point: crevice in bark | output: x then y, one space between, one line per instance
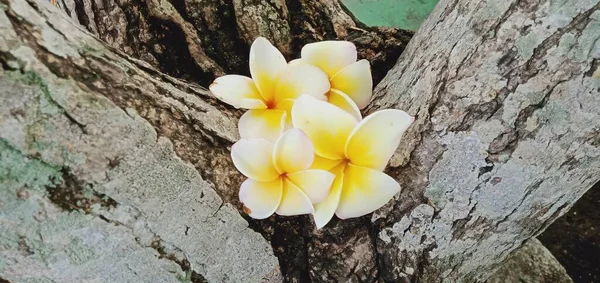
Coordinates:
24 248
373 236
423 260
176 59
381 46
185 265
594 68
577 24
71 194
80 12
134 26
288 237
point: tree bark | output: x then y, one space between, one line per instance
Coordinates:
198 40
96 145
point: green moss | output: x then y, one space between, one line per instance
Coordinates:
47 103
21 178
30 78
18 171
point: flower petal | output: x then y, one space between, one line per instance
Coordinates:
297 61
268 124
237 91
316 184
300 79
324 163
266 64
355 81
294 201
325 210
327 126
261 199
253 158
344 102
331 56
364 191
293 152
286 105
375 139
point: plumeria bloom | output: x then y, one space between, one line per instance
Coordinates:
356 152
279 178
350 80
271 91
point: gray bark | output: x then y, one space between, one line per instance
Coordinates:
90 192
114 171
507 136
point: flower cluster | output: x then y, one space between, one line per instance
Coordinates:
304 145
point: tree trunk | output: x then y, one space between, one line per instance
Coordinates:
96 146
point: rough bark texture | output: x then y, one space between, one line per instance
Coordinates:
95 145
91 191
507 135
198 40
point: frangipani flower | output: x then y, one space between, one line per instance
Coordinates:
350 80
279 178
271 91
356 152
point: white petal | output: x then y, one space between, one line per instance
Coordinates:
265 123
316 184
330 56
266 64
253 158
355 81
375 139
296 62
261 199
294 201
325 210
293 152
344 102
301 79
327 126
364 191
238 91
